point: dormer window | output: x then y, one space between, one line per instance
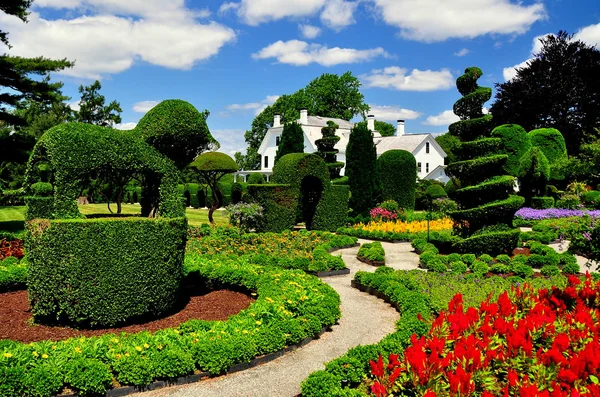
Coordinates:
277 140
426 147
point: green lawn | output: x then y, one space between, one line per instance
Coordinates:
12 218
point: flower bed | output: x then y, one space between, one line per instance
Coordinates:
396 231
525 343
415 294
10 248
303 250
372 254
526 215
290 306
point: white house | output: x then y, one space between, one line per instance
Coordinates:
429 155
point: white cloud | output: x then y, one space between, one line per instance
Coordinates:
447 117
258 107
231 140
589 34
101 43
301 53
393 113
438 20
75 105
462 52
309 31
125 126
338 14
255 12
226 7
144 106
400 79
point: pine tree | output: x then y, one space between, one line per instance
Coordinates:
92 109
361 169
292 140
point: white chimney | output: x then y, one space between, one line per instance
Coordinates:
304 116
277 121
371 122
400 129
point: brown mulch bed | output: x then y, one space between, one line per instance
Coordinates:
16 319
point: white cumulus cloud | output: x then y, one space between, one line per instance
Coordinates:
393 113
447 117
438 20
255 12
231 140
589 34
125 126
338 14
309 31
462 52
109 36
144 106
257 107
401 79
301 53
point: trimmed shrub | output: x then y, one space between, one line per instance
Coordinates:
42 189
458 267
113 278
591 199
236 193
256 178
550 270
552 143
480 268
398 174
292 140
372 251
332 210
361 170
542 203
568 201
88 376
534 173
515 143
493 243
38 207
279 206
522 270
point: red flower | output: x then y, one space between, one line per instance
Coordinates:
378 390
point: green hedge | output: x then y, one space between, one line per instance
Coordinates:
279 203
515 143
492 243
542 202
332 210
490 190
551 142
496 212
472 172
398 173
371 251
103 272
479 148
290 306
38 207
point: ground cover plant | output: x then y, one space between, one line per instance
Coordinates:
290 306
393 230
527 342
530 214
304 250
419 295
372 253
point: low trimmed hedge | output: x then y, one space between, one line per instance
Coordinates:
290 306
542 203
492 243
103 272
279 203
372 252
13 274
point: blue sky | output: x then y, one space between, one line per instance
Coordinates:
235 57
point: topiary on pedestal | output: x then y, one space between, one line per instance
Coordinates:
326 149
485 200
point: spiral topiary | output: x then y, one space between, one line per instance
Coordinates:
484 199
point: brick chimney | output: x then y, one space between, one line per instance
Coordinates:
277 121
400 129
371 122
304 116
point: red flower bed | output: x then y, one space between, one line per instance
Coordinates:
11 248
527 343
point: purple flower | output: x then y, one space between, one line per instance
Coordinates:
553 213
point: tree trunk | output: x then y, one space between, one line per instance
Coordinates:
214 206
119 198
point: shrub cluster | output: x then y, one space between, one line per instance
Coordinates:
290 306
398 173
371 252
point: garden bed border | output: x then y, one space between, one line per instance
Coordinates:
374 292
370 262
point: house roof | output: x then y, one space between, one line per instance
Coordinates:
408 142
318 121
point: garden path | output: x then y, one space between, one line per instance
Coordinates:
365 320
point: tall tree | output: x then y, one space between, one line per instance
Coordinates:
449 143
292 140
361 169
385 129
329 95
559 88
16 73
92 108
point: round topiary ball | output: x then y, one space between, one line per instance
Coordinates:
177 130
551 143
398 173
256 178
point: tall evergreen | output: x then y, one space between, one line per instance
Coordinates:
484 199
361 169
292 140
326 149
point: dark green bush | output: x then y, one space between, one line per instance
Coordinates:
505 259
551 143
550 270
568 201
332 210
591 199
469 259
88 376
42 381
485 258
372 251
38 207
534 173
437 266
42 189
292 140
515 143
542 202
398 174
522 270
480 268
493 243
236 193
122 268
571 268
458 267
499 268
256 178
279 203
361 170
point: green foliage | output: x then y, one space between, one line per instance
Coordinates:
246 216
177 130
256 178
568 201
476 171
92 109
435 192
279 203
361 170
398 173
550 270
372 252
38 207
332 210
292 140
88 376
542 202
449 143
493 243
325 149
80 289
42 381
552 144
534 173
385 129
515 143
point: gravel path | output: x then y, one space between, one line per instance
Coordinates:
365 320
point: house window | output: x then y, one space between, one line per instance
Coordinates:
419 168
426 147
266 161
427 167
277 140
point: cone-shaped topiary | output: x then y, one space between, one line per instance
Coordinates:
398 174
486 208
292 140
361 169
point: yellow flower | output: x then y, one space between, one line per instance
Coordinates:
258 322
53 347
44 356
176 331
126 354
7 355
147 346
245 331
118 356
35 354
114 340
138 348
78 349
